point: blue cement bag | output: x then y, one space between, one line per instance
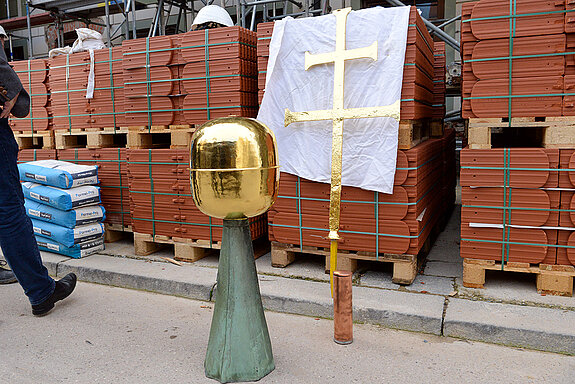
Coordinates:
64 199
76 251
68 236
69 219
56 173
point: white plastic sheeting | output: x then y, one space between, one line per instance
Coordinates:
369 145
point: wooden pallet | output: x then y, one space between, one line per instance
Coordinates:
91 138
35 140
436 128
551 279
187 249
172 136
413 132
544 132
115 232
405 267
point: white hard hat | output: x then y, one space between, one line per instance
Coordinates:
213 13
3 32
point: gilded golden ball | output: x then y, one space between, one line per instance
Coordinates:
233 168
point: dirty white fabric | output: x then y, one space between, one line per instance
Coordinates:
87 40
369 145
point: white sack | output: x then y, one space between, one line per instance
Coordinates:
87 40
369 145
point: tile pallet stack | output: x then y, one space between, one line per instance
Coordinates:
163 210
151 74
439 70
418 89
176 83
35 130
25 155
79 121
190 78
423 194
516 202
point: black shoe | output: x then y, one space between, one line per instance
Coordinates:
6 275
64 288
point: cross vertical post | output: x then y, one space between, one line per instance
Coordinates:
338 114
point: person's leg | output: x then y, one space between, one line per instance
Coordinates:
17 238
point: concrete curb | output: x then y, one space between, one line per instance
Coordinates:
521 326
544 329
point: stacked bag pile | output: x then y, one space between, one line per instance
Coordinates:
62 201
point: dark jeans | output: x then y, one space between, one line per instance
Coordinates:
16 235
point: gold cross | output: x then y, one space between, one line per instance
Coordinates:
338 114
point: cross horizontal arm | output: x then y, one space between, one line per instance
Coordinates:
350 54
391 110
319 58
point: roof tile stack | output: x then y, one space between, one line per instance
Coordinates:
264 31
511 205
26 155
69 81
565 237
439 69
517 67
191 78
424 185
161 198
113 176
151 78
34 77
542 78
220 74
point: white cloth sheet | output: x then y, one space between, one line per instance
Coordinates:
369 145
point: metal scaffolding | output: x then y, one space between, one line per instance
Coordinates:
278 10
247 14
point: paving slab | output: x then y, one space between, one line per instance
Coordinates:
513 325
186 281
422 284
444 269
312 268
399 310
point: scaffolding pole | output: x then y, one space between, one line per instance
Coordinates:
30 52
108 32
435 30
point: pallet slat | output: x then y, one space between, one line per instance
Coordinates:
91 138
35 140
178 136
